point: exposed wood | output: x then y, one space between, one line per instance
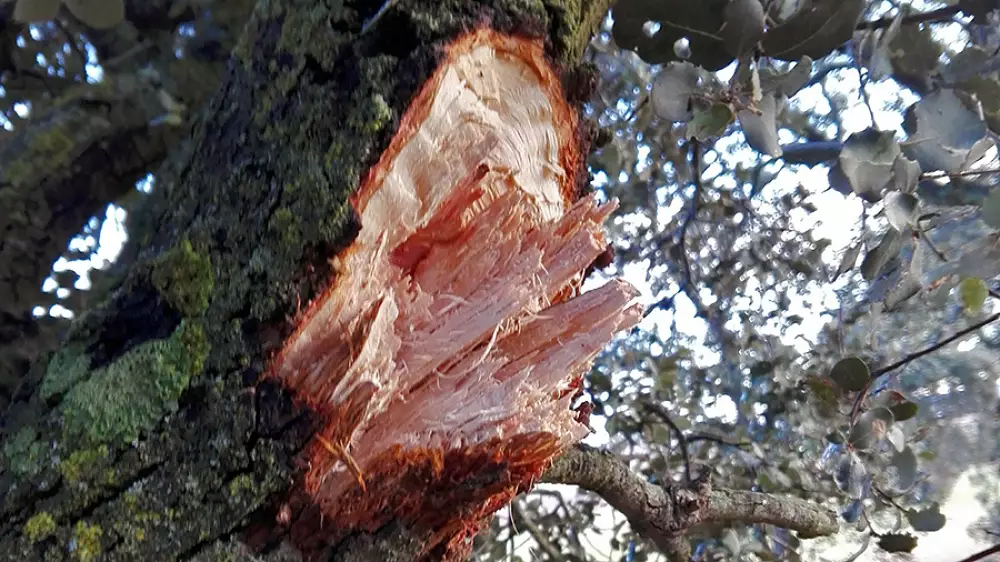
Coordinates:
155 437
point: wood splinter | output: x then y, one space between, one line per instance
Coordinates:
450 349
341 453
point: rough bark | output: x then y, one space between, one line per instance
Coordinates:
148 435
664 513
84 149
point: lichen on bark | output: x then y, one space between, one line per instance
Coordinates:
128 397
262 193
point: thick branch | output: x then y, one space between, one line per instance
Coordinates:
732 506
662 514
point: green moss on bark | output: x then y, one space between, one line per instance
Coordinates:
131 395
68 366
24 453
184 278
49 145
308 108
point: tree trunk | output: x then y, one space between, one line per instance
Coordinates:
153 434
87 147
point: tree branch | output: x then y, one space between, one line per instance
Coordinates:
982 554
734 506
537 533
659 412
931 349
663 514
963 173
715 439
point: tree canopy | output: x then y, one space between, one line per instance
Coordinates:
808 198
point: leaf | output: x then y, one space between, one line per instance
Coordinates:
788 83
852 477
869 428
919 261
877 258
98 14
905 463
905 174
852 511
673 89
991 208
904 411
761 369
867 160
880 65
815 30
928 520
698 22
35 11
943 133
836 177
980 258
897 542
895 437
823 393
850 374
710 122
760 129
744 26
986 88
973 292
847 261
914 53
731 541
901 209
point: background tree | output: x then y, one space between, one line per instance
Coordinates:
724 191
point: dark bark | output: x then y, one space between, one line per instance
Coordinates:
84 149
149 435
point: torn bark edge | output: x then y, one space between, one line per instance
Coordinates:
663 514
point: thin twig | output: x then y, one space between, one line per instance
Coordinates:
862 82
659 412
982 554
536 533
714 439
931 349
686 283
941 255
856 408
930 244
367 25
963 173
